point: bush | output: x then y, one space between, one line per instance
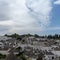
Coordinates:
2 56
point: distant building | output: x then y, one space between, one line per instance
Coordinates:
4 38
1 45
57 53
49 56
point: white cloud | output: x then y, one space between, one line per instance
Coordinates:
27 15
57 2
6 23
53 28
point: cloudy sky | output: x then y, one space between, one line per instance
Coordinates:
30 16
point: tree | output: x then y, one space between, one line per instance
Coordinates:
56 36
37 36
2 56
11 56
49 37
19 49
40 56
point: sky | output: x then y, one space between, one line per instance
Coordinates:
30 16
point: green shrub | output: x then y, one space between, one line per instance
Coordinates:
2 56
